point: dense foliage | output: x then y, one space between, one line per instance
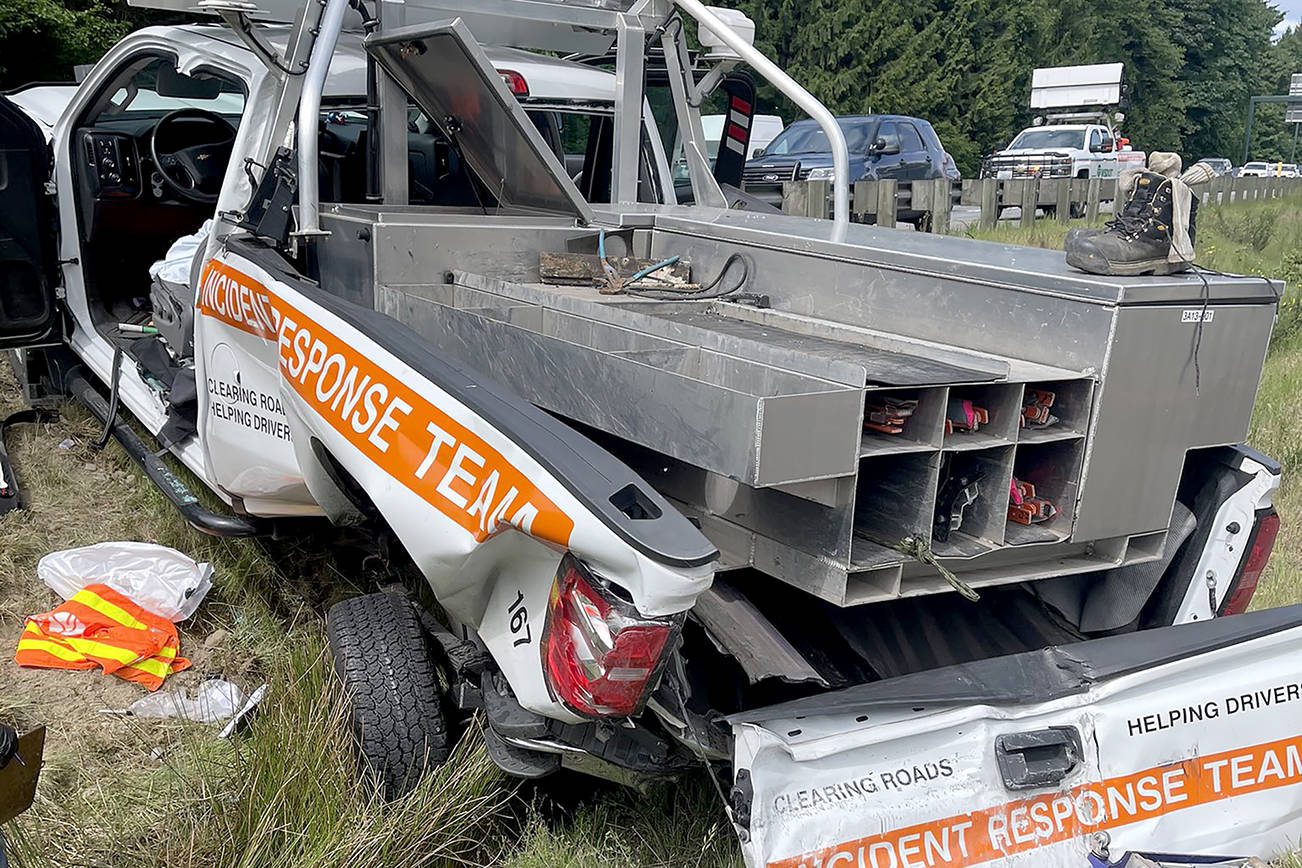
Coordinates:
966 64
42 40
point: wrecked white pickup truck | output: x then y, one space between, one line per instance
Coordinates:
928 545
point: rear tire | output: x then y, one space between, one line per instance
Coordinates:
392 689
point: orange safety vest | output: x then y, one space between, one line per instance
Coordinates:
100 628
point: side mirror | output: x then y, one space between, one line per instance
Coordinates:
880 148
757 153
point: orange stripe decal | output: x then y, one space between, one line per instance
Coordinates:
993 833
237 300
443 462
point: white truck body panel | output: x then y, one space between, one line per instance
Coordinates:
44 103
1200 755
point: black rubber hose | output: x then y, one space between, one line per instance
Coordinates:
114 396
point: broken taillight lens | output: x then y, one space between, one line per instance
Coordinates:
599 653
1263 543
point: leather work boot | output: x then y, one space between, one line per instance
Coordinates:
1138 241
1132 208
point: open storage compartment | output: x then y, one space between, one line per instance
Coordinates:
895 497
1072 400
982 524
922 429
1003 405
1054 469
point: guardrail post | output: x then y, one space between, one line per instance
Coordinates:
793 198
886 203
989 203
1092 189
1110 191
1062 199
816 199
1030 201
942 200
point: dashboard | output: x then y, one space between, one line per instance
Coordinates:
112 164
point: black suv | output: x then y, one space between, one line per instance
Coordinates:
881 147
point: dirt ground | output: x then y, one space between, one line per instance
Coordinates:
76 496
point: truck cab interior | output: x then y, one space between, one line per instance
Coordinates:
150 153
579 136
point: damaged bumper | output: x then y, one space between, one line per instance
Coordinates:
1184 739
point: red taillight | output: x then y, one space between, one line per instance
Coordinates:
600 655
515 82
1263 543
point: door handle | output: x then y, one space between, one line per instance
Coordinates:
1039 758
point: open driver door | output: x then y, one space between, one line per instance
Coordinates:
28 313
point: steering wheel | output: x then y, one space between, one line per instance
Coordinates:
191 148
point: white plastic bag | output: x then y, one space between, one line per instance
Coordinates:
154 577
175 265
215 700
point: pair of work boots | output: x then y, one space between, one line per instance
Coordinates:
1145 237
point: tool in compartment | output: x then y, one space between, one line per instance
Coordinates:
1024 507
1036 408
958 491
963 415
887 414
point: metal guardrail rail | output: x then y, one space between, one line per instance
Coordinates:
1062 199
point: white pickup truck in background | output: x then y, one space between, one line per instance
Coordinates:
1058 151
1077 136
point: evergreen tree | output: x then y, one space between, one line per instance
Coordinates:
1226 60
41 40
966 65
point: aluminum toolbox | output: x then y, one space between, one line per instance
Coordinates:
751 416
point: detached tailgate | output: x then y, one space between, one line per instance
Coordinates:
1186 739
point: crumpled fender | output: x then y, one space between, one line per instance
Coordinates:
484 491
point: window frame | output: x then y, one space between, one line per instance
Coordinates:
911 127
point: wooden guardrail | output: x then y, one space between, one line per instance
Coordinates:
1062 199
